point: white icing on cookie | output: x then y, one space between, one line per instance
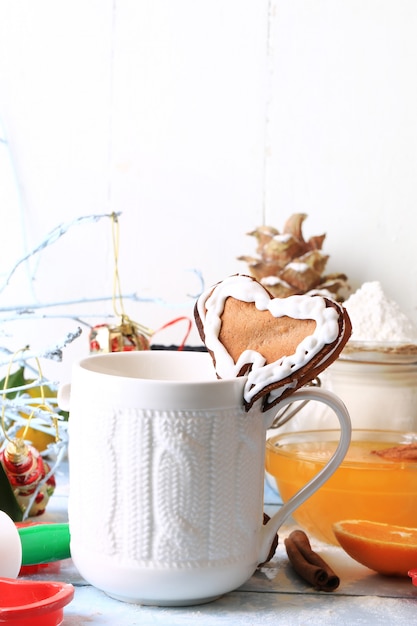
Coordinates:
210 306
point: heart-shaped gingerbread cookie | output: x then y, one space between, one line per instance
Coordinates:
280 344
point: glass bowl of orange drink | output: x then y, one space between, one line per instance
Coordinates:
376 481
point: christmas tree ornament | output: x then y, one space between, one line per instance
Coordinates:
124 337
29 476
127 335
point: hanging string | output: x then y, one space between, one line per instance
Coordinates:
117 292
117 299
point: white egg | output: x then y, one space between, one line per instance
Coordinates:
10 547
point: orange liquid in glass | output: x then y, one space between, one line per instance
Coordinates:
376 490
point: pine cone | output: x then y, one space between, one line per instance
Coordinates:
288 265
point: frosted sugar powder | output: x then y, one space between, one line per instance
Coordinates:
375 317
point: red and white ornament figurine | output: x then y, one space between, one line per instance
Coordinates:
126 337
26 471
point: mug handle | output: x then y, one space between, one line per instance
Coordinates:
63 396
270 529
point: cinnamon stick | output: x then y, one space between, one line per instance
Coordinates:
404 452
308 564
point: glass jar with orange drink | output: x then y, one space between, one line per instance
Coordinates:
367 485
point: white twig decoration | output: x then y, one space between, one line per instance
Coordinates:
53 236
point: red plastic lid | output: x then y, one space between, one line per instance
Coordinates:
33 603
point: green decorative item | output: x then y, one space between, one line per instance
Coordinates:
8 502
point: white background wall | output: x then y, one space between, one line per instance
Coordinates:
198 121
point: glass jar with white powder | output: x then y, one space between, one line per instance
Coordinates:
378 395
376 375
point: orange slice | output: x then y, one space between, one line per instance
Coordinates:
384 548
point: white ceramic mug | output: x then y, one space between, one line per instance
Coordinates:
167 475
